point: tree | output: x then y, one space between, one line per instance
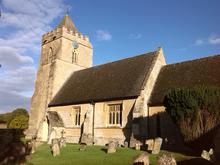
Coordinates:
196 110
8 117
19 122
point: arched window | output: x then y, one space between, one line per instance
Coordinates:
74 57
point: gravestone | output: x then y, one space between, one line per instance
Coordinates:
137 146
205 155
157 145
62 142
142 159
111 147
166 159
133 142
82 147
125 144
150 144
55 147
87 137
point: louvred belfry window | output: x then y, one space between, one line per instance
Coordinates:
115 114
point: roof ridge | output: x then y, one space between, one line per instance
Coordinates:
149 53
193 60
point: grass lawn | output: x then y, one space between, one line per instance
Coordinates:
93 155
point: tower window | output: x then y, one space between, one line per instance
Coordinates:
74 57
115 114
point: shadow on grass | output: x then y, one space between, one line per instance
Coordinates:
195 161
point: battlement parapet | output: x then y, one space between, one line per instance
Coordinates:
62 31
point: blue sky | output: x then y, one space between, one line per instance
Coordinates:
186 30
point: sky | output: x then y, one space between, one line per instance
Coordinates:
185 30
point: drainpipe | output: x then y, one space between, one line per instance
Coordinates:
93 121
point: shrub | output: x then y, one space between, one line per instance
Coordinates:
195 110
8 117
19 122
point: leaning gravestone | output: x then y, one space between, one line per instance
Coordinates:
111 147
157 145
150 144
55 147
142 159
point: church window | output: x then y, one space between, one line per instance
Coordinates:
74 57
115 114
77 115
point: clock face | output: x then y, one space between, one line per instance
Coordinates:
75 45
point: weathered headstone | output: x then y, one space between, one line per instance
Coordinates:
166 159
157 145
133 142
111 147
125 144
137 146
150 144
55 147
205 155
62 142
82 147
142 159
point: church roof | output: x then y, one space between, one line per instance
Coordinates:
67 23
121 79
204 71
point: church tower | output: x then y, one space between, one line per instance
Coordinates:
64 51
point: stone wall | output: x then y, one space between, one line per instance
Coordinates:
103 133
141 106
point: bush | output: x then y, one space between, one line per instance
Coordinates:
19 122
196 110
8 117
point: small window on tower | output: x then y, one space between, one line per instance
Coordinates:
74 57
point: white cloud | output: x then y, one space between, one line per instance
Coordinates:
10 58
214 40
135 36
24 22
199 42
103 35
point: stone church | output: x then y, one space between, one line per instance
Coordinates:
121 100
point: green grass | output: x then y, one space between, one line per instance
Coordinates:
93 155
